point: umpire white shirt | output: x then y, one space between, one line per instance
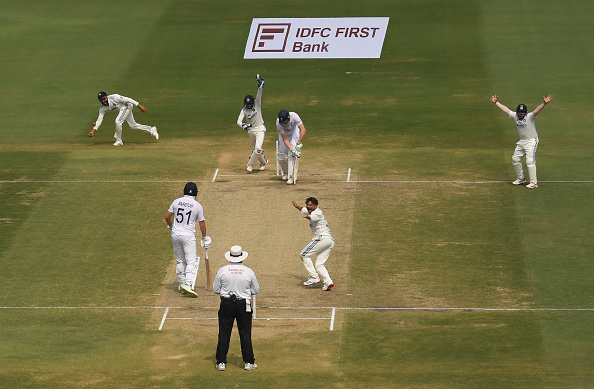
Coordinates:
237 279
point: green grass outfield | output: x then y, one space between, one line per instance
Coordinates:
81 221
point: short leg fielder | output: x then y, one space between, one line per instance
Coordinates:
320 246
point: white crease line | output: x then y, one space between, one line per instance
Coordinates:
163 320
338 308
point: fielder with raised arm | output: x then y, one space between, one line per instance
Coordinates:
321 245
252 113
124 106
291 132
528 142
185 212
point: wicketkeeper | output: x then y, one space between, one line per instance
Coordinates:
291 132
252 113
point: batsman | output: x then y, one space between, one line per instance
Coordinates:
291 132
185 211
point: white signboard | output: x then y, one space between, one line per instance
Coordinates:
316 38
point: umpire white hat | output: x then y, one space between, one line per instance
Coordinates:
236 254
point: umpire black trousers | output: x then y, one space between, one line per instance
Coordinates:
229 311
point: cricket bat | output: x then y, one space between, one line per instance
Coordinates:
208 273
295 168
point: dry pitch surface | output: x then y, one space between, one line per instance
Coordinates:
255 211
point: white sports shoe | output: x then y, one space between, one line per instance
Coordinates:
532 186
284 177
187 289
263 165
155 133
250 366
118 143
328 286
249 168
311 281
519 181
220 366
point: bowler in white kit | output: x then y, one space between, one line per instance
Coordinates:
123 106
321 245
528 142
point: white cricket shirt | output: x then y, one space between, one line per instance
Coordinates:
290 127
186 211
252 116
526 126
318 222
114 103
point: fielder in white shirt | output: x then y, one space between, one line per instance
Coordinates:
123 105
291 132
252 113
528 142
321 244
186 211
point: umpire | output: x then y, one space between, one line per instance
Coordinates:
236 284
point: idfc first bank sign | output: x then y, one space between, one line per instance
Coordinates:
316 38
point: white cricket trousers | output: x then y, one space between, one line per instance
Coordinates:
257 137
126 115
284 156
184 250
321 246
526 148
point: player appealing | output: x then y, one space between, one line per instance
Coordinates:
252 113
291 132
186 211
321 244
528 142
124 106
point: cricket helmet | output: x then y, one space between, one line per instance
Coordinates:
248 101
101 95
521 109
190 189
283 116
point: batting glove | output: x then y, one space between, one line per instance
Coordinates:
246 126
260 81
299 146
295 153
205 242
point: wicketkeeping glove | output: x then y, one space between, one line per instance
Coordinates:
205 242
246 126
260 81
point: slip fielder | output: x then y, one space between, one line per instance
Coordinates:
123 105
